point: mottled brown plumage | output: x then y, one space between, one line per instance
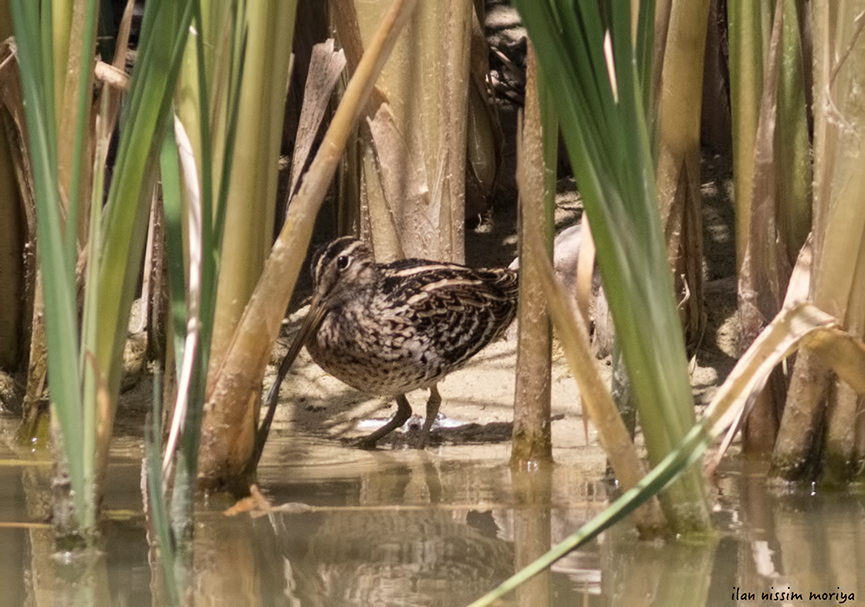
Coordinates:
388 329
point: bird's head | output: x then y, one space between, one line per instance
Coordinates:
342 270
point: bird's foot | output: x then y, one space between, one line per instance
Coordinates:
365 444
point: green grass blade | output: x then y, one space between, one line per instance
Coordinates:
205 163
185 297
230 138
90 315
604 127
58 279
126 210
82 121
156 493
212 230
173 210
43 36
644 46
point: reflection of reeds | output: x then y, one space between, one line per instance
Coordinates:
652 573
532 531
801 541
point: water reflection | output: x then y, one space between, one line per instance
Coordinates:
439 528
801 541
385 558
532 531
412 530
638 572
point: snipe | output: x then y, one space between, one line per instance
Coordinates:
388 329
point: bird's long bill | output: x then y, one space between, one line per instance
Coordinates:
308 327
310 324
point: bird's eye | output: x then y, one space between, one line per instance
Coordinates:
342 262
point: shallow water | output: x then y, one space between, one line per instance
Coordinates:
439 527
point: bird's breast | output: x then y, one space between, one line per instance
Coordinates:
383 358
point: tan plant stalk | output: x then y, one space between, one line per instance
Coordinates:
223 457
532 436
597 403
413 148
678 167
255 164
746 78
838 276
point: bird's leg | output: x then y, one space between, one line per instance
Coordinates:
432 411
403 412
